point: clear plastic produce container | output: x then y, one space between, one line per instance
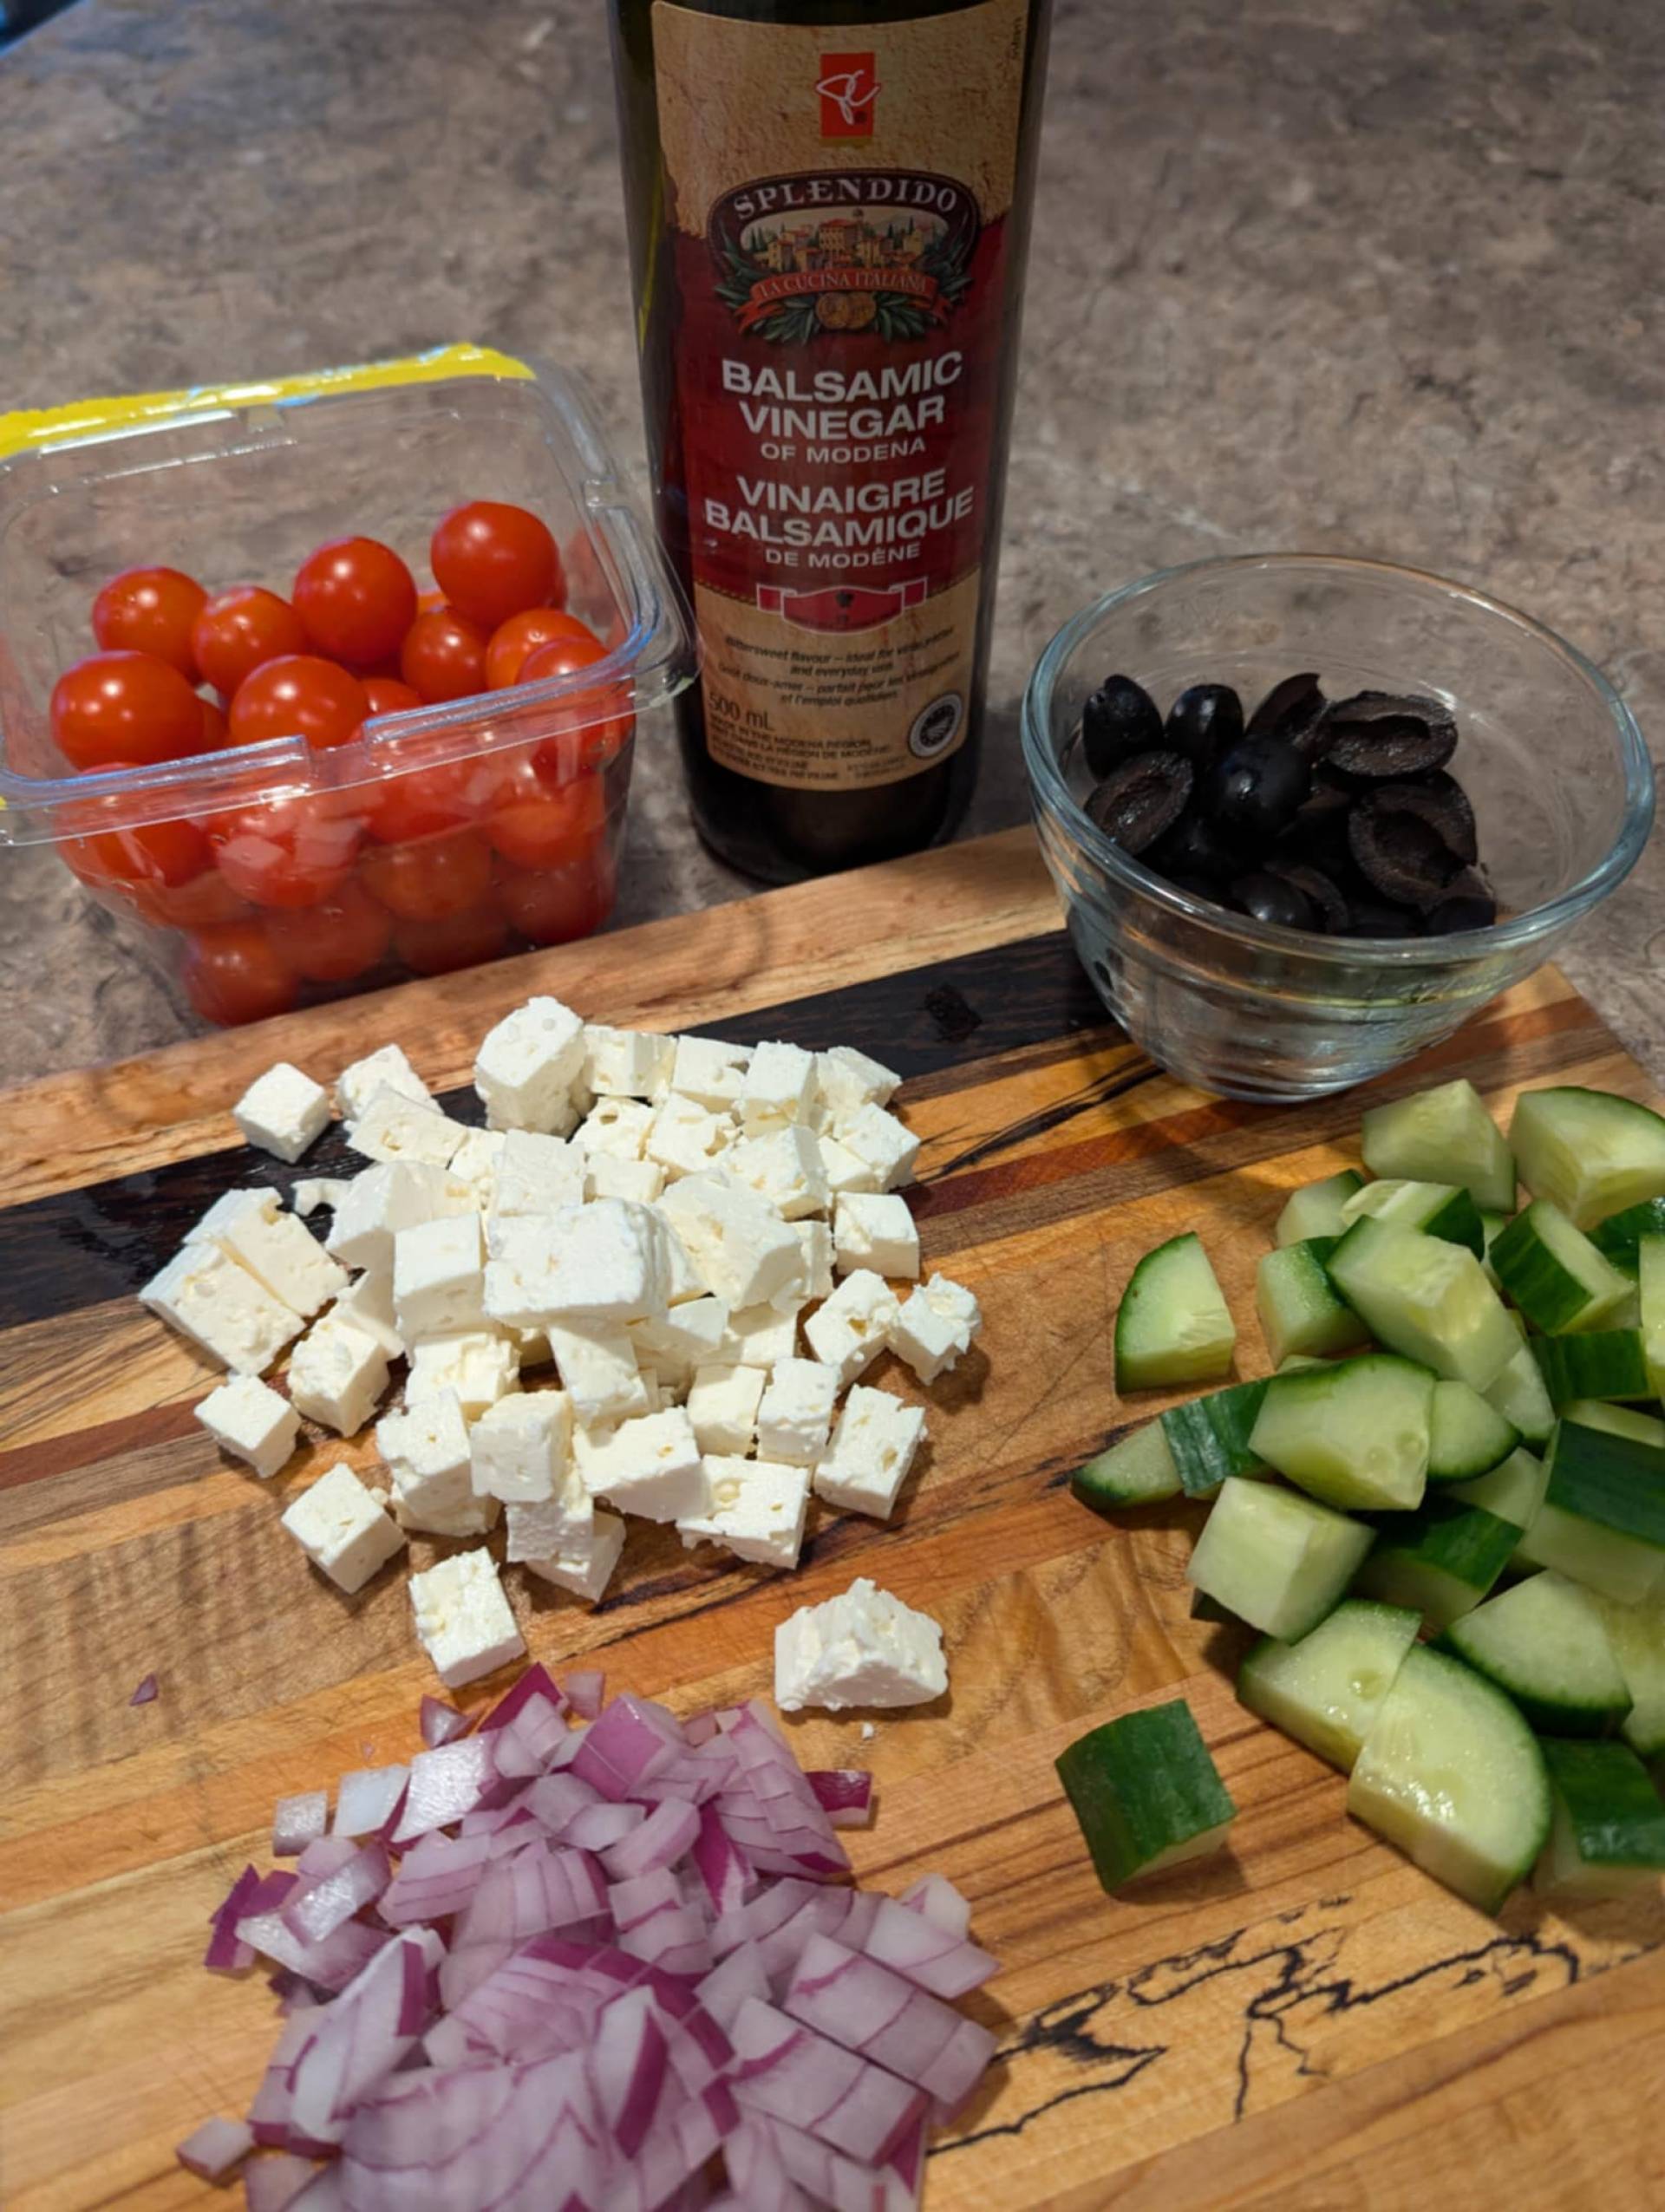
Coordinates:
439 836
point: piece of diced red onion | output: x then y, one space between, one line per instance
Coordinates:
215 2148
586 1688
600 1826
790 2071
226 1953
298 1821
315 1909
366 1801
445 1783
663 1837
935 1896
946 1965
272 2181
438 1876
327 1855
145 1693
845 1794
441 1723
555 1798
331 1961
536 1685
630 1741
731 1981
360 2039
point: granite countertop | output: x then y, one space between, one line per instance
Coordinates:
1376 275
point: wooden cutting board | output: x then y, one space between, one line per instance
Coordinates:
1305 2022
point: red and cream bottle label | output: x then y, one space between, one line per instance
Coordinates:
837 199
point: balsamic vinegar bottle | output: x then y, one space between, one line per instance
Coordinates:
829 205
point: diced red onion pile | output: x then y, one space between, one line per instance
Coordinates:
558 1969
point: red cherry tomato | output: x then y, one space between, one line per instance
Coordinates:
422 802
444 655
357 598
339 939
299 695
439 948
491 560
233 974
512 641
151 610
552 827
124 707
216 729
159 855
554 905
431 881
286 852
591 726
388 696
238 630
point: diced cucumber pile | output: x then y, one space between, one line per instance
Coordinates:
1474 1467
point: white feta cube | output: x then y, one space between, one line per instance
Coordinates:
537 1175
367 1304
439 1278
650 1465
313 1192
723 1405
251 1421
394 1195
956 1304
481 1364
846 1080
783 1167
396 1128
778 1088
341 1529
277 1249
796 1415
473 1171
863 1649
619 1126
583 1563
675 1342
627 1063
760 1336
214 1300
878 1139
336 1374
538 1527
741 1250
872 1449
520 1446
685 1138
597 1367
606 1176
850 1329
935 1326
844 1171
685 1282
427 1454
385 1069
609 1262
528 1067
283 1111
757 1510
875 1230
463 1618
707 1069
815 1241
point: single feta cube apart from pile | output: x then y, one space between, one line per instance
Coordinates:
702 1242
865 1649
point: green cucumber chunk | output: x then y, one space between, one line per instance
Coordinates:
1590 1153
1466 1435
1442 1136
1208 1439
1316 1210
1607 1836
1618 1237
1355 1434
1617 1420
1650 1301
1146 1792
1519 1395
1136 1469
1442 1561
1275 1559
1637 1634
1602 1519
1553 1272
1453 1776
1608 1363
1299 1311
1327 1690
1543 1642
1514 1490
1425 1299
1443 1210
1173 1325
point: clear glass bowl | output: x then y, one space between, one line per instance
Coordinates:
1548 751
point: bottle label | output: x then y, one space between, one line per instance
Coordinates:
836 198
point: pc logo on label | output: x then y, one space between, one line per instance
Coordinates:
848 88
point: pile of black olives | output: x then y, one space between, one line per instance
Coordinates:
1336 816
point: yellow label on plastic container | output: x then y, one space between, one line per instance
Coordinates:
30 429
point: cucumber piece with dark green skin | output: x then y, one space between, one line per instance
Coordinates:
1466 1435
1273 1558
1442 1561
1173 1325
1617 1237
1544 1642
1300 1313
1327 1690
1602 1519
1316 1210
1135 1471
1590 1153
1637 1634
1608 1363
1442 1209
1519 1395
1513 1490
1442 1136
1208 1439
1451 1774
1425 1299
1607 1833
1354 1434
1617 1420
1554 1273
1146 1792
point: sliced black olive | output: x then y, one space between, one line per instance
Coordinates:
1317 836
1194 847
1398 854
1377 736
1254 793
1321 893
1203 722
1442 803
1118 721
1468 903
1274 898
1144 797
1291 710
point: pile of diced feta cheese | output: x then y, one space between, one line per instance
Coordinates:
651 1283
